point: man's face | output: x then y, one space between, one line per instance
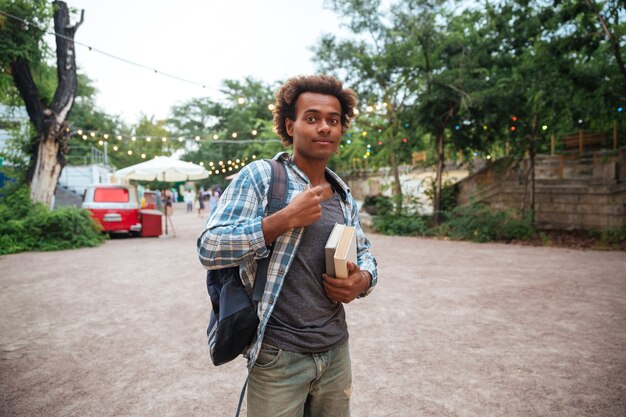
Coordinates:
316 131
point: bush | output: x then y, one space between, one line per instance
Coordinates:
377 205
479 223
613 238
25 226
449 194
401 224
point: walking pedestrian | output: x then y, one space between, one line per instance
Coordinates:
201 195
300 362
189 198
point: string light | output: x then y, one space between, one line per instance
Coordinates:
92 49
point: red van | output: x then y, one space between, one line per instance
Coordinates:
115 207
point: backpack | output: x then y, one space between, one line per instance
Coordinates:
234 321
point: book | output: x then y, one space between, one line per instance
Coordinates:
331 246
345 251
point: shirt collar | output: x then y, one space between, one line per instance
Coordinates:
337 183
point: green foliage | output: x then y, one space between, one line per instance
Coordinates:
377 205
449 193
475 223
24 42
401 224
25 226
479 223
613 238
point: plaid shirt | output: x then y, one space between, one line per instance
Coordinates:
233 235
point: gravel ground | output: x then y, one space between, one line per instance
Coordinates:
453 329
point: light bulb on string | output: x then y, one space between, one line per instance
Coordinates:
119 137
106 136
143 156
197 138
92 134
133 138
215 137
234 135
148 139
130 152
164 139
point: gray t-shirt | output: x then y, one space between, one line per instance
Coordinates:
304 319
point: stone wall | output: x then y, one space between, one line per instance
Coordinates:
413 180
572 192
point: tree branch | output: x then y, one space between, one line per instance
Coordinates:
614 44
25 84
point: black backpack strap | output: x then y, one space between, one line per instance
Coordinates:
277 193
243 392
276 200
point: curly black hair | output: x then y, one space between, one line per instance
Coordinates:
287 95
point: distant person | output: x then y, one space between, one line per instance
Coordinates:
201 202
169 202
189 198
300 361
158 201
214 197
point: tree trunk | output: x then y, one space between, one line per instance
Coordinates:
440 166
397 188
531 153
49 146
441 131
393 159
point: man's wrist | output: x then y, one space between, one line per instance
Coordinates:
367 278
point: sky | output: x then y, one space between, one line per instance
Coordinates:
204 41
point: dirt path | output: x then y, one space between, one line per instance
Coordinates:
454 329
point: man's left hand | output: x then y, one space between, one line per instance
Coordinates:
345 290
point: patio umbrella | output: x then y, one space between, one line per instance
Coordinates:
163 168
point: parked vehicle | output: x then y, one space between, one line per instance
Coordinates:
115 207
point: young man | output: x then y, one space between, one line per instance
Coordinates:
299 362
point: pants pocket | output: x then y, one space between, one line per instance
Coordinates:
268 356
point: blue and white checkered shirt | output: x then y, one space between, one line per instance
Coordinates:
233 235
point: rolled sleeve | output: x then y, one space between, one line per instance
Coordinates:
233 234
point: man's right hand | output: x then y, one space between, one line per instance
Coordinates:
303 210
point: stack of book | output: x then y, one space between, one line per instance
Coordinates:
340 248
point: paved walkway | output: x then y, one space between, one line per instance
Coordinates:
454 329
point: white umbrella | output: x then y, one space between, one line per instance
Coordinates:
163 168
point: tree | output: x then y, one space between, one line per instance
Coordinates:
49 146
241 123
378 65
